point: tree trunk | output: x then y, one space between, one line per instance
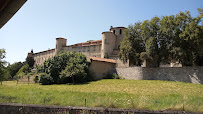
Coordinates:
28 80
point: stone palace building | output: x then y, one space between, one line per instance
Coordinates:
108 47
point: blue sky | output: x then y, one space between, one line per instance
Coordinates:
37 24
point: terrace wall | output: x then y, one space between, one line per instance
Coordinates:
15 108
179 74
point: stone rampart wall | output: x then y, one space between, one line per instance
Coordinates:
180 74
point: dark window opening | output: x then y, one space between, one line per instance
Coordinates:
120 31
114 31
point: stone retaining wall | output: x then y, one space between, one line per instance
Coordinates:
15 108
180 74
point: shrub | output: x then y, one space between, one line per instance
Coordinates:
36 79
66 68
24 69
45 79
76 69
112 76
115 76
55 65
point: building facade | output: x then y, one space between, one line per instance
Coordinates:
108 47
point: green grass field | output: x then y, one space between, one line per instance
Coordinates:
138 94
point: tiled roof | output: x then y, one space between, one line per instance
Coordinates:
102 59
89 43
44 51
117 27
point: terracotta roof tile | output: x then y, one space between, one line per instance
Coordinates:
102 59
89 43
44 51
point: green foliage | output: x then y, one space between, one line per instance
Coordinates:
53 66
25 69
45 79
30 61
171 38
132 44
4 73
14 68
112 76
66 67
36 79
76 69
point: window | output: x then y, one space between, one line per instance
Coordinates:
105 41
120 31
114 31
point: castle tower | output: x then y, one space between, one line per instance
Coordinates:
111 41
119 32
108 44
60 43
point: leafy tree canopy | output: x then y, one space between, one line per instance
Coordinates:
30 61
63 66
4 74
169 38
14 68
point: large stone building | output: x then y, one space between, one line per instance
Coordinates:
108 47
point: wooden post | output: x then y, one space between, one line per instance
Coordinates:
85 102
28 80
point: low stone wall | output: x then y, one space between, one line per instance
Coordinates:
15 108
180 74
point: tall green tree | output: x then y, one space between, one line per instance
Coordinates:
167 39
132 45
76 69
24 70
53 66
63 67
30 61
4 74
150 35
14 68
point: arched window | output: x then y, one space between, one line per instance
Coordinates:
120 31
114 31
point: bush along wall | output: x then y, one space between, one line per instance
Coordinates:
67 67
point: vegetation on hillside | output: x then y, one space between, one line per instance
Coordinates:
14 68
131 94
169 38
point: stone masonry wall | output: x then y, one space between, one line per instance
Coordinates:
15 108
181 74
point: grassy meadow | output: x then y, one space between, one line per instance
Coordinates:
138 94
